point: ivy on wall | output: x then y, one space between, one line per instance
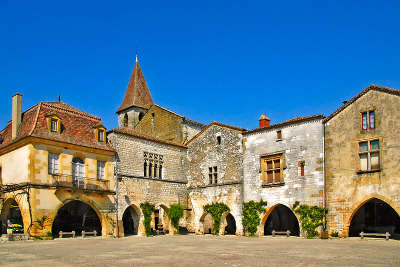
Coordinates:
216 210
175 213
311 217
251 215
147 209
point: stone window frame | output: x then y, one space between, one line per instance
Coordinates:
366 117
263 169
368 152
153 165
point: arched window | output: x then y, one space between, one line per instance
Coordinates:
160 172
141 115
125 121
150 168
78 171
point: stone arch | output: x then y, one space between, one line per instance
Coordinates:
375 214
161 219
280 218
12 211
77 215
206 223
228 226
131 220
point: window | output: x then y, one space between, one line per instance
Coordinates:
53 163
279 135
271 169
218 140
301 168
101 138
213 175
368 120
141 115
100 170
152 165
78 170
369 155
125 121
54 125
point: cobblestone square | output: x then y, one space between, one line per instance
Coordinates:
193 250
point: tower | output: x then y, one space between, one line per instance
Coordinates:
137 100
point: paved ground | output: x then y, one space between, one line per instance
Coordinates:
194 250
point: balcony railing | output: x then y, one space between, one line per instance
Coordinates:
83 183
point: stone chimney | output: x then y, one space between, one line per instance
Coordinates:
16 114
264 121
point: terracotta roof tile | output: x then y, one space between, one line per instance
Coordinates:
218 124
288 122
137 93
77 127
363 92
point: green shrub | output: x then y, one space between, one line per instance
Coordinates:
216 210
251 215
147 209
311 217
175 213
334 234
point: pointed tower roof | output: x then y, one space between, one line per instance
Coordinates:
137 94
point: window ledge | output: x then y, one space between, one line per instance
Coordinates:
278 140
273 184
370 171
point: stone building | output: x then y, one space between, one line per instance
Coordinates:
362 164
151 158
214 174
283 163
56 171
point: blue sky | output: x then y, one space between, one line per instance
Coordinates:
227 61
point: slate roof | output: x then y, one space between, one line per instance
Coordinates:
138 93
363 92
77 127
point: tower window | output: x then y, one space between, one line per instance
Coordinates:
125 121
141 115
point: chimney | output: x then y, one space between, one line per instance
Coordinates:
264 121
16 114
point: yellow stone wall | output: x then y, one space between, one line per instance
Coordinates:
347 189
15 165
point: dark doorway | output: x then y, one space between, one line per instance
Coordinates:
11 215
282 219
230 228
76 216
375 216
130 220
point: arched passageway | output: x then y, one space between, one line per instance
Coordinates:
208 223
282 219
161 220
11 215
130 221
76 216
375 216
230 228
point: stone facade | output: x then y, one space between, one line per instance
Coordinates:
300 143
218 149
135 188
347 187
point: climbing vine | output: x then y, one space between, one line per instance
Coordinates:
311 217
147 209
251 215
216 210
175 213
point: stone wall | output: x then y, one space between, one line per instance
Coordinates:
203 153
347 188
301 142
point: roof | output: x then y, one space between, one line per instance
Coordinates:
288 122
363 92
184 118
138 93
132 132
218 124
77 126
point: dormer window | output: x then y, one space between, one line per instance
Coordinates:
100 133
54 124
